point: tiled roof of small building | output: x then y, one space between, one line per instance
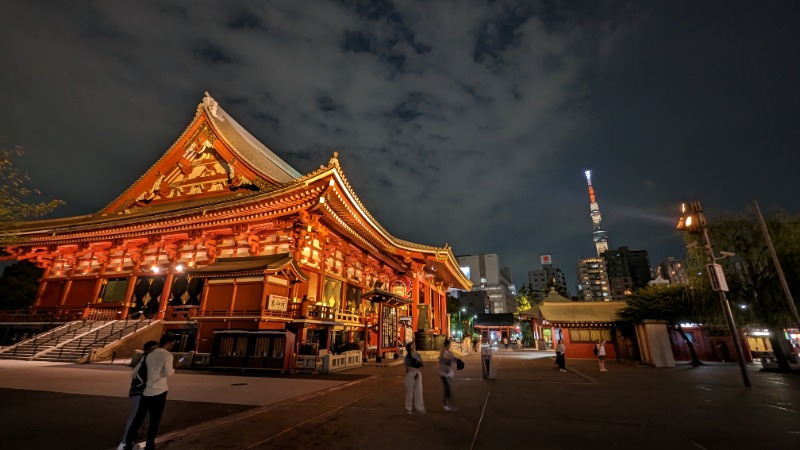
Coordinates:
575 312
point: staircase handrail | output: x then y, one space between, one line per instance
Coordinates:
74 335
36 344
104 341
47 333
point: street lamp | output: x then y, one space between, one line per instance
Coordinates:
693 221
460 323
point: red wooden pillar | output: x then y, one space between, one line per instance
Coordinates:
128 294
415 301
162 304
40 292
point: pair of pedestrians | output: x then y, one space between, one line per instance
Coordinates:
149 391
413 378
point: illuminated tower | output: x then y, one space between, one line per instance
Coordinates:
599 235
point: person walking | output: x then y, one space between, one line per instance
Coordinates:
447 363
505 342
600 351
138 384
413 380
160 365
561 360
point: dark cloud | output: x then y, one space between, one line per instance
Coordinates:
466 122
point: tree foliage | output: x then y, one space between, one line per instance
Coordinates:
672 304
755 292
18 285
523 301
14 195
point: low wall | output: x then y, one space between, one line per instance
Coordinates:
346 360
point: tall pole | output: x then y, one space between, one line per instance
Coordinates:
777 264
726 308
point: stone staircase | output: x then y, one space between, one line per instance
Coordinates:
73 341
28 349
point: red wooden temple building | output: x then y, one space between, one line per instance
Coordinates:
248 260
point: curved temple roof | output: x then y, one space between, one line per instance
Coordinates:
246 146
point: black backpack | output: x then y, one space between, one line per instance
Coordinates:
139 382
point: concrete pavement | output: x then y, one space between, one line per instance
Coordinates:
530 403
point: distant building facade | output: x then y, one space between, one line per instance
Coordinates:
593 285
540 278
627 271
487 275
673 270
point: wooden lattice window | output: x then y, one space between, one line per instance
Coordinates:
589 334
278 347
262 348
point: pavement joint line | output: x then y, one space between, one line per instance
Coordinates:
781 408
697 444
307 421
176 434
584 376
478 427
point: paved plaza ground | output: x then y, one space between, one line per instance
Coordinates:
530 404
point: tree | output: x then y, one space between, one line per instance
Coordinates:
672 304
560 288
453 307
751 276
18 285
14 192
523 302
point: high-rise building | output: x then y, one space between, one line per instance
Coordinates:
627 271
486 275
673 270
593 280
539 279
599 235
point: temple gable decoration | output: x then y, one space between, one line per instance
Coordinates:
214 156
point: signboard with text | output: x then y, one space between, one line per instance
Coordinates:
277 303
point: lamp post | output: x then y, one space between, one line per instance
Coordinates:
694 222
460 323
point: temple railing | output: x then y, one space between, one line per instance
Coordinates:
43 314
293 311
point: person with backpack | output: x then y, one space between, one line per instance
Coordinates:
138 383
160 365
600 352
413 379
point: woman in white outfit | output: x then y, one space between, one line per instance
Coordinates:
413 381
601 354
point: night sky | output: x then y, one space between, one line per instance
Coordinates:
461 122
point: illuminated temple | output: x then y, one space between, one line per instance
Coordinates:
246 260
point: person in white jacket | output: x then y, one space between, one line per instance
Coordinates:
160 365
